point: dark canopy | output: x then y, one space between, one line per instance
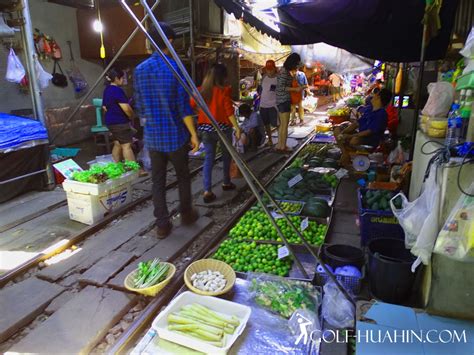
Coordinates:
388 30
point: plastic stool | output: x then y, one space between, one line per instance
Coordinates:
100 131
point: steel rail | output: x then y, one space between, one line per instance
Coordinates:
80 236
246 171
193 92
145 319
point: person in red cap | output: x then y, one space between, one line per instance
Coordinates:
268 105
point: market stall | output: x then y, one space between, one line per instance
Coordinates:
23 155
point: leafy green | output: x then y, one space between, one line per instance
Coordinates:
100 173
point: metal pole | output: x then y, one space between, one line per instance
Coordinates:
191 39
246 171
418 90
30 55
191 89
101 76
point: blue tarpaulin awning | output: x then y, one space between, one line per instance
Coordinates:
388 30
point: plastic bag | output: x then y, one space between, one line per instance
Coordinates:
306 326
144 158
77 79
281 295
468 53
456 239
419 219
337 309
15 70
42 75
310 103
5 30
440 99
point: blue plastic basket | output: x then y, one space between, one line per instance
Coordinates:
350 283
66 152
377 223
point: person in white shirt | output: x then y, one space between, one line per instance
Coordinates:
252 128
336 83
268 106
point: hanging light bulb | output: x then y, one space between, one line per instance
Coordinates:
98 26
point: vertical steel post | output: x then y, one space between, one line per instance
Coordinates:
418 90
30 55
191 39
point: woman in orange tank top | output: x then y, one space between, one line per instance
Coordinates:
218 98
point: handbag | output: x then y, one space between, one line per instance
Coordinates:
59 79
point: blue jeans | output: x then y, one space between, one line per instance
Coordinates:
210 139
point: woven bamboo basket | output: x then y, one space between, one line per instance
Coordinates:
214 265
152 290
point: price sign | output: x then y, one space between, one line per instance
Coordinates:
283 252
276 215
304 224
293 181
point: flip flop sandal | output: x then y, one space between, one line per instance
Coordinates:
228 187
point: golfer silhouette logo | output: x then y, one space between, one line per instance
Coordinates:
303 322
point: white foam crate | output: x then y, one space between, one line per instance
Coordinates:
98 189
90 208
226 308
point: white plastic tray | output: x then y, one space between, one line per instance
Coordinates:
98 189
160 324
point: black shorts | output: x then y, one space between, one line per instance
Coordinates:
123 133
284 107
269 116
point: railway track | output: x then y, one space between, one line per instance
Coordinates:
195 248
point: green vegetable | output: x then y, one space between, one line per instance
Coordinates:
284 296
100 173
200 322
150 273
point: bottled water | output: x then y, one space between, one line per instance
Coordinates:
453 135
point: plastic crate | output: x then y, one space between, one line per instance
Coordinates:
350 283
377 223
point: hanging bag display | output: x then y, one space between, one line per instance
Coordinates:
42 75
15 70
75 75
59 79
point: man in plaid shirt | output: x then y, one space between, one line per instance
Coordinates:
169 131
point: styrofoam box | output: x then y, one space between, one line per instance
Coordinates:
90 208
160 324
98 189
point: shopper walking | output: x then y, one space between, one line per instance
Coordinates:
336 83
118 116
268 102
169 131
284 87
217 95
300 80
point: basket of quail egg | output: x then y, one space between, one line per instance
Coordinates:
209 277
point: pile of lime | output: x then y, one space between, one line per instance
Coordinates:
290 207
255 225
253 257
331 179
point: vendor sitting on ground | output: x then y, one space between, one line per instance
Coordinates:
368 130
252 127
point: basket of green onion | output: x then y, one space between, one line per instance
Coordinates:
150 277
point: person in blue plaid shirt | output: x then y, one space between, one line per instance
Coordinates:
169 131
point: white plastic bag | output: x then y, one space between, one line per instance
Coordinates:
5 30
440 99
419 219
468 53
337 310
42 75
15 70
144 157
456 239
310 103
